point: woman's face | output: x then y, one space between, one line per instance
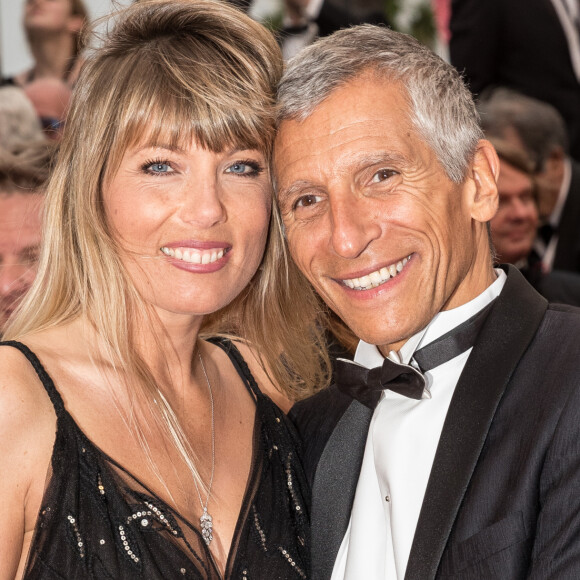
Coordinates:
191 224
50 16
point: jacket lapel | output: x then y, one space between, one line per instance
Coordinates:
335 485
506 334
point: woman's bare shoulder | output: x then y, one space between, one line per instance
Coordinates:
27 417
23 400
27 432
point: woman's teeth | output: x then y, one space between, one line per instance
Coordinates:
194 256
376 278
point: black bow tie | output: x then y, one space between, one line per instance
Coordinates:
366 385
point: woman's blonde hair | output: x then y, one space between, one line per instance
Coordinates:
170 70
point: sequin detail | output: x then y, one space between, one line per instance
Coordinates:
142 516
100 485
159 515
124 540
259 529
79 541
292 562
290 483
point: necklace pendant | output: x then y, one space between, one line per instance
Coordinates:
206 522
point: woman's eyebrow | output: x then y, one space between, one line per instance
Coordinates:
156 145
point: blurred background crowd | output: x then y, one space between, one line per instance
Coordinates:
520 58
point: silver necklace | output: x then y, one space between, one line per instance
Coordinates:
206 521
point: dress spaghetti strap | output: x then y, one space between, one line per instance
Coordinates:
44 377
239 364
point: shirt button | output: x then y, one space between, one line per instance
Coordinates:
388 498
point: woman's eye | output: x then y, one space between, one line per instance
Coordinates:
382 175
245 168
307 200
158 167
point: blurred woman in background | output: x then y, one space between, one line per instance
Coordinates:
54 32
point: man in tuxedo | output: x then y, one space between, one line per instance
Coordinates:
451 447
538 130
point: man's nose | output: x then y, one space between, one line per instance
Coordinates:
352 228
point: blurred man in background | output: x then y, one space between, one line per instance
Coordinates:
514 226
537 129
23 175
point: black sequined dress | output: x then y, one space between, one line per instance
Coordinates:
99 522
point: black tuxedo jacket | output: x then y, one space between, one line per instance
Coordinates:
518 44
568 249
503 497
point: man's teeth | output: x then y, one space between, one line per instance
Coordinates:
194 256
376 278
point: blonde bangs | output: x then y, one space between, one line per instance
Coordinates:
176 115
204 91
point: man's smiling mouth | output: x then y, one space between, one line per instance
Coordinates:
377 277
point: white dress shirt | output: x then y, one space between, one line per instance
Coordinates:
403 437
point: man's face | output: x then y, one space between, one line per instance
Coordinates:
513 228
373 221
20 231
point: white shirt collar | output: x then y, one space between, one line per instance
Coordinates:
369 355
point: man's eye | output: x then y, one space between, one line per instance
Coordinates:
382 175
307 200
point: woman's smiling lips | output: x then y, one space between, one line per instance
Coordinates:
202 257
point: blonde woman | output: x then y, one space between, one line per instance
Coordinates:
132 447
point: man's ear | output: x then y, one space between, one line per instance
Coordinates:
484 172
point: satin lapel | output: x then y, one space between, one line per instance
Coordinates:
506 334
335 485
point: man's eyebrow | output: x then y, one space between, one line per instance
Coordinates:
369 159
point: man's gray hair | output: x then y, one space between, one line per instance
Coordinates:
539 125
442 109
